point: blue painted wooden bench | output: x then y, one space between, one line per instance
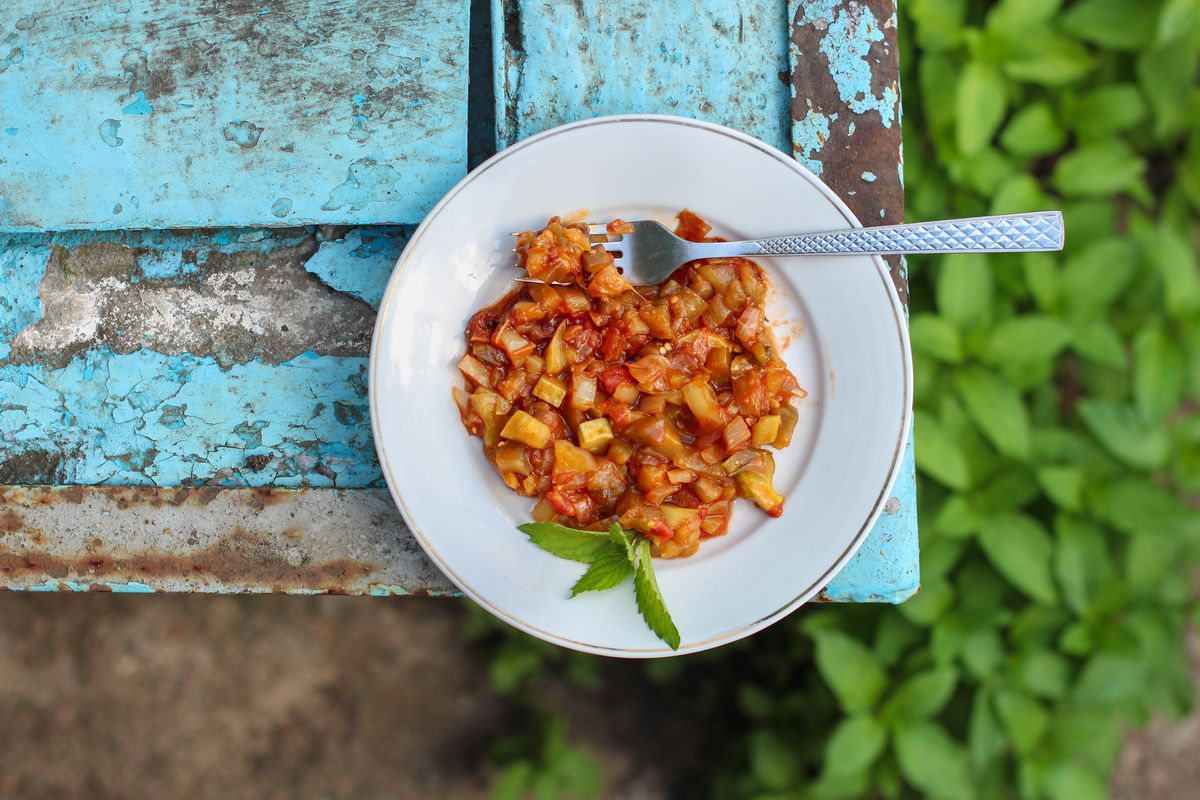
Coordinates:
199 210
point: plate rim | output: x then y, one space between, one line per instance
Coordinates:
749 628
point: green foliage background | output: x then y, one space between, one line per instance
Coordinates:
1057 444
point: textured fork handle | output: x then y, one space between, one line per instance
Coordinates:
1042 230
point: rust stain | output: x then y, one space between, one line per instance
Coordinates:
266 496
11 522
239 558
127 497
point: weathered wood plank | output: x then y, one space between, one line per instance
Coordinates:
720 60
278 112
235 358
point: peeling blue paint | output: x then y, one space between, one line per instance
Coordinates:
139 107
850 29
289 73
710 59
148 418
360 263
809 135
869 177
886 568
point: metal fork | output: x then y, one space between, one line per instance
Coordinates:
651 252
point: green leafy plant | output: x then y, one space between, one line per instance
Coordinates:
1057 436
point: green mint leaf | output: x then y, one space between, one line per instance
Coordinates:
1159 372
609 568
940 455
932 760
622 537
854 745
1020 549
936 337
1096 170
1105 110
964 290
996 407
650 600
1033 131
565 542
1125 434
1113 24
981 101
1048 58
852 671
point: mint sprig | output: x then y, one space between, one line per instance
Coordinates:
611 557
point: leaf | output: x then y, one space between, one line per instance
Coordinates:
850 669
1113 24
772 762
1033 131
609 568
985 738
579 773
1041 276
1175 259
1098 169
1016 17
936 337
996 407
964 290
938 454
854 745
1167 75
1024 718
565 542
1159 372
650 601
956 518
1124 433
1025 340
921 696
1134 505
1179 19
1043 673
1098 274
1018 194
1049 59
1097 341
1110 681
1081 561
981 100
1064 485
1106 110
513 782
1069 781
623 539
1020 549
933 762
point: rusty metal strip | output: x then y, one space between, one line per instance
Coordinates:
141 539
846 107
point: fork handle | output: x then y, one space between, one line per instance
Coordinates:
1013 233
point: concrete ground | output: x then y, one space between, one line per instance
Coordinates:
108 696
105 696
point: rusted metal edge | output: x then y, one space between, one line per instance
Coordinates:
139 539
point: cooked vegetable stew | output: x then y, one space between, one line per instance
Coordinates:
653 406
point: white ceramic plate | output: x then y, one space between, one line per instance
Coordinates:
838 318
